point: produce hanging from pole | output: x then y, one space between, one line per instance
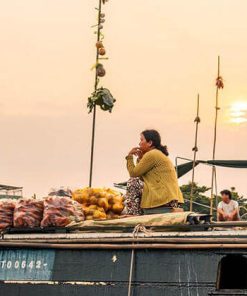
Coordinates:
101 96
219 85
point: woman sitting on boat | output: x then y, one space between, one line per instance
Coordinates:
153 186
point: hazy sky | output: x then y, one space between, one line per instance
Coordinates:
162 53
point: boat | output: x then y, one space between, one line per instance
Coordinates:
193 258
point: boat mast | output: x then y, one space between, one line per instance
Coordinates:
195 149
219 85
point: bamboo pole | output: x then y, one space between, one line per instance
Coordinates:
195 149
95 88
122 247
180 240
219 84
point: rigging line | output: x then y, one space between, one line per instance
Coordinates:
216 190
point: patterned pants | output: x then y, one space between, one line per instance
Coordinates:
133 198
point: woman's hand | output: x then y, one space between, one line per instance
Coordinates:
135 151
139 154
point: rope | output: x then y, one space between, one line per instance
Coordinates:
216 190
199 204
131 271
138 228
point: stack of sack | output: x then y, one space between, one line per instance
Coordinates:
53 211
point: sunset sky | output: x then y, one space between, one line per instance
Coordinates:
161 54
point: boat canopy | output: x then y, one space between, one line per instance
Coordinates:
184 168
8 191
8 187
238 164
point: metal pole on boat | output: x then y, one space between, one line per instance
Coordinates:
195 149
95 88
101 96
219 85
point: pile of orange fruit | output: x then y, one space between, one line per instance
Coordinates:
99 203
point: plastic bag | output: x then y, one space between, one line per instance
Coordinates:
7 207
61 211
60 192
28 213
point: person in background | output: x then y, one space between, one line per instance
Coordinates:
153 185
228 209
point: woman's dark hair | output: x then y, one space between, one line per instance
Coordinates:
226 192
154 136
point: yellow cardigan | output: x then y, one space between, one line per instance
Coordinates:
159 176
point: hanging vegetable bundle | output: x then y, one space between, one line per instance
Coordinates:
101 97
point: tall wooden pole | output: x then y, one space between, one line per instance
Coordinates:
219 85
195 149
95 88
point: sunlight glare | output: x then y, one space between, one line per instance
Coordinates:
238 112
